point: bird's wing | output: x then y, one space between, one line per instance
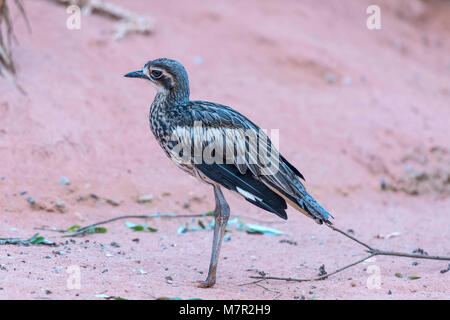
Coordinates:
245 185
225 145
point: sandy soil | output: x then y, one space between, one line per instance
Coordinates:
351 105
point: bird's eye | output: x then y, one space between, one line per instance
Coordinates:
156 74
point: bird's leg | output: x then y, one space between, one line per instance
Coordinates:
221 215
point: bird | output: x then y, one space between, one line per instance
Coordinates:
224 149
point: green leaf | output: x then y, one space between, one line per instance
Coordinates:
130 224
73 228
95 229
399 275
258 229
413 277
209 214
100 230
47 242
200 223
183 229
254 232
135 227
33 238
38 240
139 227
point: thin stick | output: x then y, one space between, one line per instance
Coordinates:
349 236
267 289
372 252
83 230
316 278
408 255
248 283
378 252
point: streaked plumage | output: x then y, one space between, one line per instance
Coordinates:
222 147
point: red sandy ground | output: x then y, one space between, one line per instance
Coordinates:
268 59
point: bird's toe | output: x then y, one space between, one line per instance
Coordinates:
206 283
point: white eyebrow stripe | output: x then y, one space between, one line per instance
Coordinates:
145 71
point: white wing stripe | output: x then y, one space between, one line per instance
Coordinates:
248 194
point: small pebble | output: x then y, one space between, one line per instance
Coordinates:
294 243
383 184
145 198
446 270
65 181
330 77
60 205
115 244
347 81
31 200
113 202
142 271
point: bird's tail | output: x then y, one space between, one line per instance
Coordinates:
314 209
306 205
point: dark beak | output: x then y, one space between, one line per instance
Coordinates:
136 74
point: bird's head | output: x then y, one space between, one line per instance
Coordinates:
168 76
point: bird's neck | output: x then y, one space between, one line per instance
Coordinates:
173 96
165 100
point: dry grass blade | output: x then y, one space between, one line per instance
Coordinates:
19 4
7 68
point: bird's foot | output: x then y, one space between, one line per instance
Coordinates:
208 283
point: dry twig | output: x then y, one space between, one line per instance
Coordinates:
85 229
7 68
129 22
372 253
